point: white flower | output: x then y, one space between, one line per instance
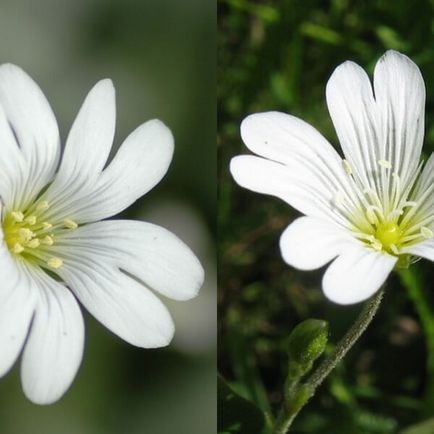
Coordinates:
53 247
368 212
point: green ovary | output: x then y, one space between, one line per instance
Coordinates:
389 234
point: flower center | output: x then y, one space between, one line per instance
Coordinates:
30 237
386 215
388 234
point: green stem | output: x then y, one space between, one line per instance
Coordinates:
415 291
299 399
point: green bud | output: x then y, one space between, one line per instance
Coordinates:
306 343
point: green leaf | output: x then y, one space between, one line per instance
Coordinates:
236 415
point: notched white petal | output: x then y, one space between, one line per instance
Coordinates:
120 303
17 302
54 348
309 243
356 274
150 253
34 128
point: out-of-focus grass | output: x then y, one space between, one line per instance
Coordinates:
278 56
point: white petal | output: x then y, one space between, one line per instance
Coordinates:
282 137
87 147
296 186
34 127
151 253
356 274
400 96
140 163
123 305
355 116
314 175
389 127
424 250
425 181
17 302
309 243
13 167
54 348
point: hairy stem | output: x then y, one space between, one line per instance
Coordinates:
415 290
304 392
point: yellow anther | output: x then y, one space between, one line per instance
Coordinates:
347 167
31 220
33 244
55 262
426 232
70 224
47 225
25 234
18 248
385 163
18 216
48 241
42 206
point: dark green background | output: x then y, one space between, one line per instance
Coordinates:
278 56
161 58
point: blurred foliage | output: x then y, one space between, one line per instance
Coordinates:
278 55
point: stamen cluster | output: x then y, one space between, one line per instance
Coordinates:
28 235
382 214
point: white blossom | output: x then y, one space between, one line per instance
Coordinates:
368 211
54 250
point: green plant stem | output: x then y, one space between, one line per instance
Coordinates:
304 392
414 285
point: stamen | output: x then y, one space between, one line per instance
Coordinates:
18 216
364 236
18 248
347 167
370 214
55 262
48 241
377 245
47 225
396 213
409 203
70 224
385 163
26 234
31 220
33 244
426 232
42 206
394 249
339 198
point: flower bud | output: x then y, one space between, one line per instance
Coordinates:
306 343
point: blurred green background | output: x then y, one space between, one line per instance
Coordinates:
278 55
161 58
